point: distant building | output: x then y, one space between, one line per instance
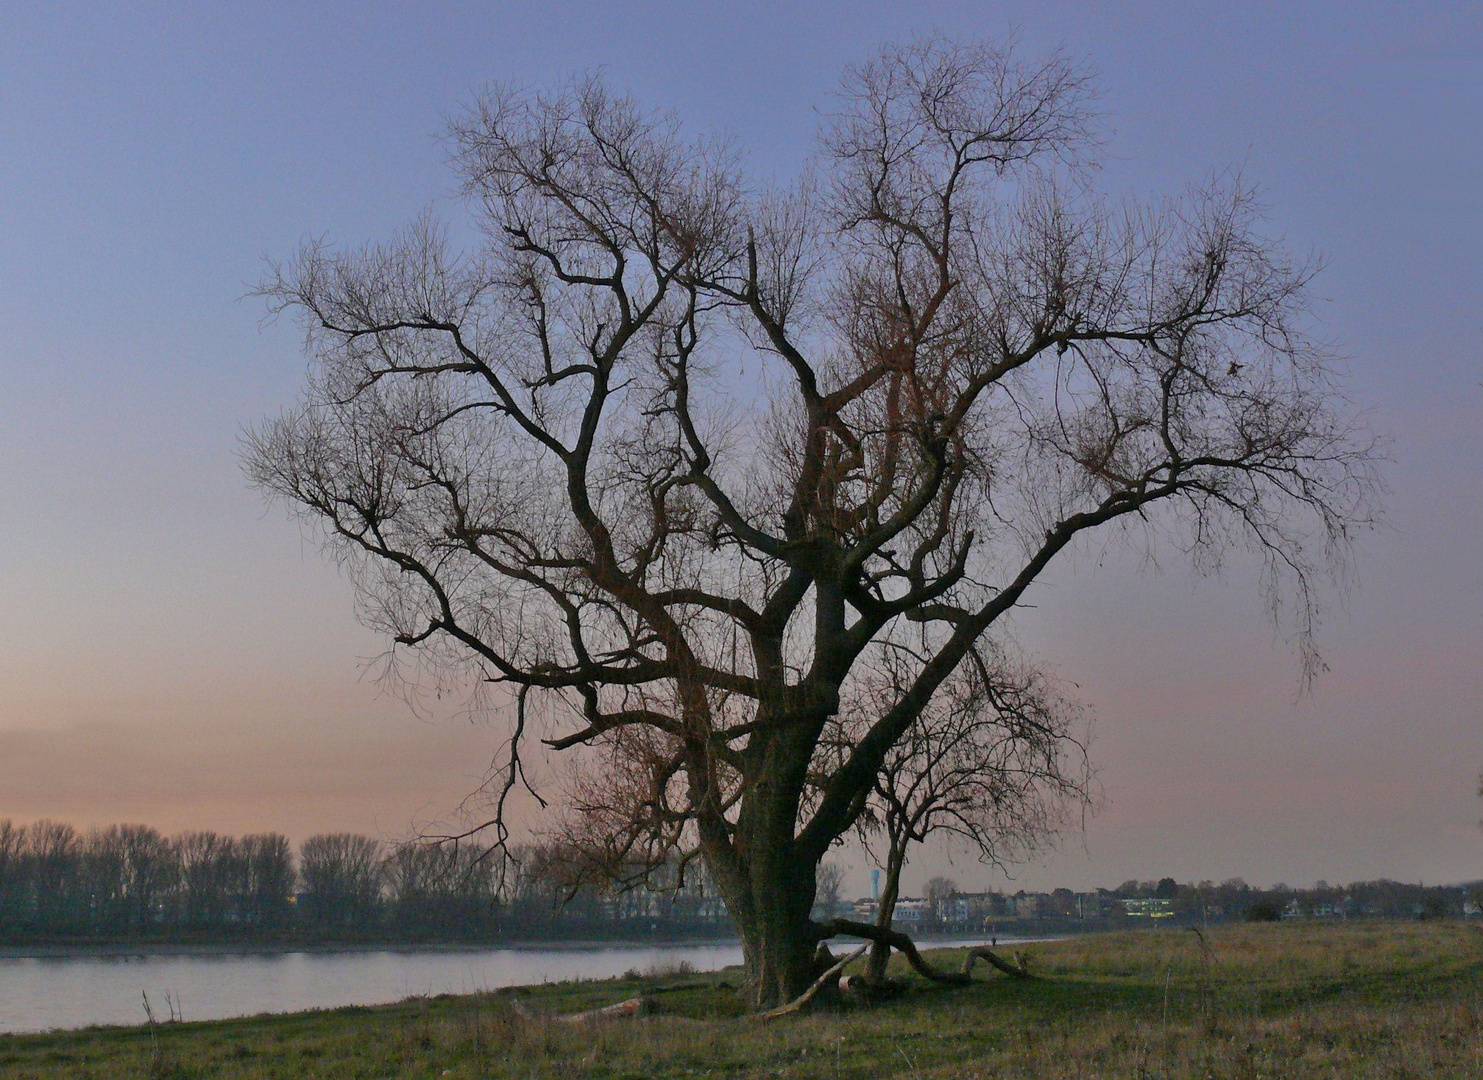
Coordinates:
1088 906
910 909
1024 905
974 907
1148 908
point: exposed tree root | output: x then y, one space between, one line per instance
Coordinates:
853 985
983 952
908 949
801 1002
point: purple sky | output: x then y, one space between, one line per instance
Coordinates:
173 653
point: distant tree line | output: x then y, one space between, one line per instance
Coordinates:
1234 899
132 882
1134 903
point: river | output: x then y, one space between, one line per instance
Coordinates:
40 993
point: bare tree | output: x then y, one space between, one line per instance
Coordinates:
939 895
830 878
132 872
268 880
343 875
14 901
211 872
993 762
53 852
436 888
677 462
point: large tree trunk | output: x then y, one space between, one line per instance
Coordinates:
771 905
769 889
779 947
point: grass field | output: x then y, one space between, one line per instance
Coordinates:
1291 1000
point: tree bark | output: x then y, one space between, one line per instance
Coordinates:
880 950
779 957
771 899
771 882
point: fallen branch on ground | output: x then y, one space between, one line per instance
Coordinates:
904 945
636 1006
983 952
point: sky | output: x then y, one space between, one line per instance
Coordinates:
174 651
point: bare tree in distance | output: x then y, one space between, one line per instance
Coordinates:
995 762
211 870
678 459
830 878
268 879
939 894
343 876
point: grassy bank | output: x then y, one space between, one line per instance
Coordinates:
1357 1000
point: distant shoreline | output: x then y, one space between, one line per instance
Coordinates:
142 949
229 948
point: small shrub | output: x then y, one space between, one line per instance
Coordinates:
670 970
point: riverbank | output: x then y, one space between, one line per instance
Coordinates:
1295 1000
82 988
246 943
123 949
323 948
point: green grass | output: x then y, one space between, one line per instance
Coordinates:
1360 1000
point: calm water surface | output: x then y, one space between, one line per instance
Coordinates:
38 994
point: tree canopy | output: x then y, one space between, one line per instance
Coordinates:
682 459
